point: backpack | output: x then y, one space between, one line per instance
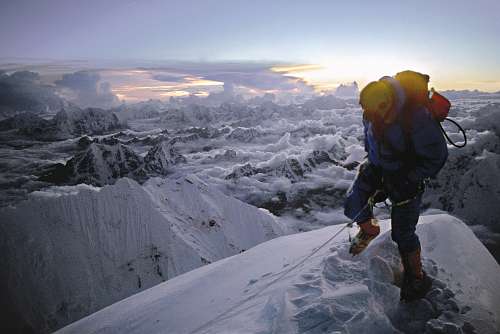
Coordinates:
439 106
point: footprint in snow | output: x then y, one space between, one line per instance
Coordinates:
266 274
252 281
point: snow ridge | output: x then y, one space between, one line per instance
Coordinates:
95 247
330 292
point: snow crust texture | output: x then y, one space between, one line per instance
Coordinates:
332 292
66 255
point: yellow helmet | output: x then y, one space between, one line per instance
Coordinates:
377 98
415 85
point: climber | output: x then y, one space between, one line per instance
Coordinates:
404 146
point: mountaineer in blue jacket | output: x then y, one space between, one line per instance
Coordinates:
404 146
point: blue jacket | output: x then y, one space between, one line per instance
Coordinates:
424 140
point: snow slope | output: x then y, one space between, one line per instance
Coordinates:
70 251
330 292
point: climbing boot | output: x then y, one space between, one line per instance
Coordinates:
368 230
416 283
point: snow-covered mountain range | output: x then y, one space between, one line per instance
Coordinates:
65 124
70 251
99 164
97 205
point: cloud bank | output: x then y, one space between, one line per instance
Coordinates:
23 91
85 89
105 84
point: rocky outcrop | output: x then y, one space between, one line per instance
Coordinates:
242 171
98 164
244 135
161 158
106 160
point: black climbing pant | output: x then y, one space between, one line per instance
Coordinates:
404 217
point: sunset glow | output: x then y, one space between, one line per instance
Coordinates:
281 47
291 69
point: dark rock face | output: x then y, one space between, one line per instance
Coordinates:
316 158
103 162
91 121
245 170
291 169
305 200
162 157
98 165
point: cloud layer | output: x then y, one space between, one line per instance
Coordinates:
23 91
104 84
86 89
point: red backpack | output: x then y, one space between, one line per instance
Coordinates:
440 106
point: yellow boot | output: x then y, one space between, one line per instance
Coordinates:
368 230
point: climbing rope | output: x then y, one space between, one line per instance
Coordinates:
448 138
224 314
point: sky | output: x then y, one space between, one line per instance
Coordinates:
456 42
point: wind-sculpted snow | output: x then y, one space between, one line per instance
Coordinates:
70 251
489 118
330 292
468 184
